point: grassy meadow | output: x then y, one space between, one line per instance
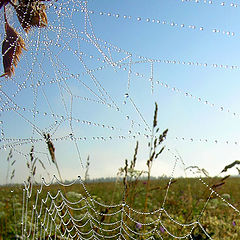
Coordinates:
185 201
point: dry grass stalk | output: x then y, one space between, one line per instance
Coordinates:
31 13
12 48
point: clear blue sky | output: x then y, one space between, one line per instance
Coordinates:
164 42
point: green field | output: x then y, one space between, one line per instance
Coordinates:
185 202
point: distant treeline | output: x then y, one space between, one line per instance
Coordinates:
119 179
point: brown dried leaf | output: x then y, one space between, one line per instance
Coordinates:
3 2
12 47
31 13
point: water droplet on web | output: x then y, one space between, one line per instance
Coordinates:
139 19
126 95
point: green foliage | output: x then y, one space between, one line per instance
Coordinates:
185 201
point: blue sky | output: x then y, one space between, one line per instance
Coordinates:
152 39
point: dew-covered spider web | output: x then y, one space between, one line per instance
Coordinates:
76 95
72 215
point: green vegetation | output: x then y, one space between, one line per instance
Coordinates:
185 201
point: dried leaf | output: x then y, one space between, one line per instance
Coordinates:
31 13
3 2
230 165
12 47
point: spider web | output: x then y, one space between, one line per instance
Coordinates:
65 72
73 215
